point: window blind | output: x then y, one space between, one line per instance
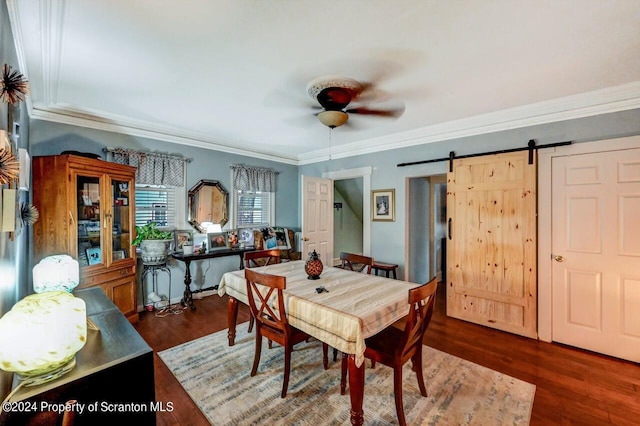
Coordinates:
155 204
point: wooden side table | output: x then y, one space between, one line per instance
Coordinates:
386 267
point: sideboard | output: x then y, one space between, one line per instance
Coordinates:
113 380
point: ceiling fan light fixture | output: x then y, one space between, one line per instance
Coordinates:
333 81
333 119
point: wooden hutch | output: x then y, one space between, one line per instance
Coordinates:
87 210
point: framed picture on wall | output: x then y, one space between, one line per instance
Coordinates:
383 205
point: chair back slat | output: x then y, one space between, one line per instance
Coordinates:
270 257
267 306
422 301
356 262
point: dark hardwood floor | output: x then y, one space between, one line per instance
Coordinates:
573 387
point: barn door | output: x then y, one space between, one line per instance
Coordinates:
491 248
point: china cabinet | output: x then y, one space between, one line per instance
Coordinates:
87 211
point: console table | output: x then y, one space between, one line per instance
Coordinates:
113 380
187 298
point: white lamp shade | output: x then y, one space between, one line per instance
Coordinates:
56 273
42 333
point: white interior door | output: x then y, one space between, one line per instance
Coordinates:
317 218
596 252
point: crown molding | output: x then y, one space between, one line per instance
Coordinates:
83 120
604 101
613 99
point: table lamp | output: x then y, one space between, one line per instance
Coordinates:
41 335
59 272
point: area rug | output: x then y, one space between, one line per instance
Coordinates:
216 377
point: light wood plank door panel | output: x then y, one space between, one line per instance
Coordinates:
491 248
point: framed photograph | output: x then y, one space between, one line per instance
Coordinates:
217 240
245 236
383 205
118 254
181 236
94 255
232 238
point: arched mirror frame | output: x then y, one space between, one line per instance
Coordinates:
193 198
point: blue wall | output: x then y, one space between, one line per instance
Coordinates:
49 138
15 273
388 238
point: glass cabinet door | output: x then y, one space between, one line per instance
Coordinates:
89 232
122 233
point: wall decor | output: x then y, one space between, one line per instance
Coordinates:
9 167
25 169
383 205
8 212
29 214
217 240
13 87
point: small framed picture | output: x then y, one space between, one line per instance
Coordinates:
245 236
118 254
94 255
232 238
383 205
217 240
180 237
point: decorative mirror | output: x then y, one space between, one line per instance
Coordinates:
208 205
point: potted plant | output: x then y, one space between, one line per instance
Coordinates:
153 243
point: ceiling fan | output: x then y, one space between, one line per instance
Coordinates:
336 93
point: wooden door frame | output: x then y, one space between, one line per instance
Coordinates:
545 242
365 174
433 180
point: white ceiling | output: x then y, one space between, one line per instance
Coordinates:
231 75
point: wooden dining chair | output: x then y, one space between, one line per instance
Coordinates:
271 319
251 259
394 347
269 257
356 262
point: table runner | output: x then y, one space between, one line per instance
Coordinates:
355 307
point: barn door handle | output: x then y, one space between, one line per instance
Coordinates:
449 228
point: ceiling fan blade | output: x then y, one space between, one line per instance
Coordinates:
393 113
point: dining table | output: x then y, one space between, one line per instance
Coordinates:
354 307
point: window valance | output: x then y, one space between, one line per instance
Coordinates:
250 178
153 168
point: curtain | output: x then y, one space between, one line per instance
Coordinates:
153 168
249 178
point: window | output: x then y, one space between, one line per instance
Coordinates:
156 203
254 208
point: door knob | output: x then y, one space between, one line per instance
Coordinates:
558 258
305 239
